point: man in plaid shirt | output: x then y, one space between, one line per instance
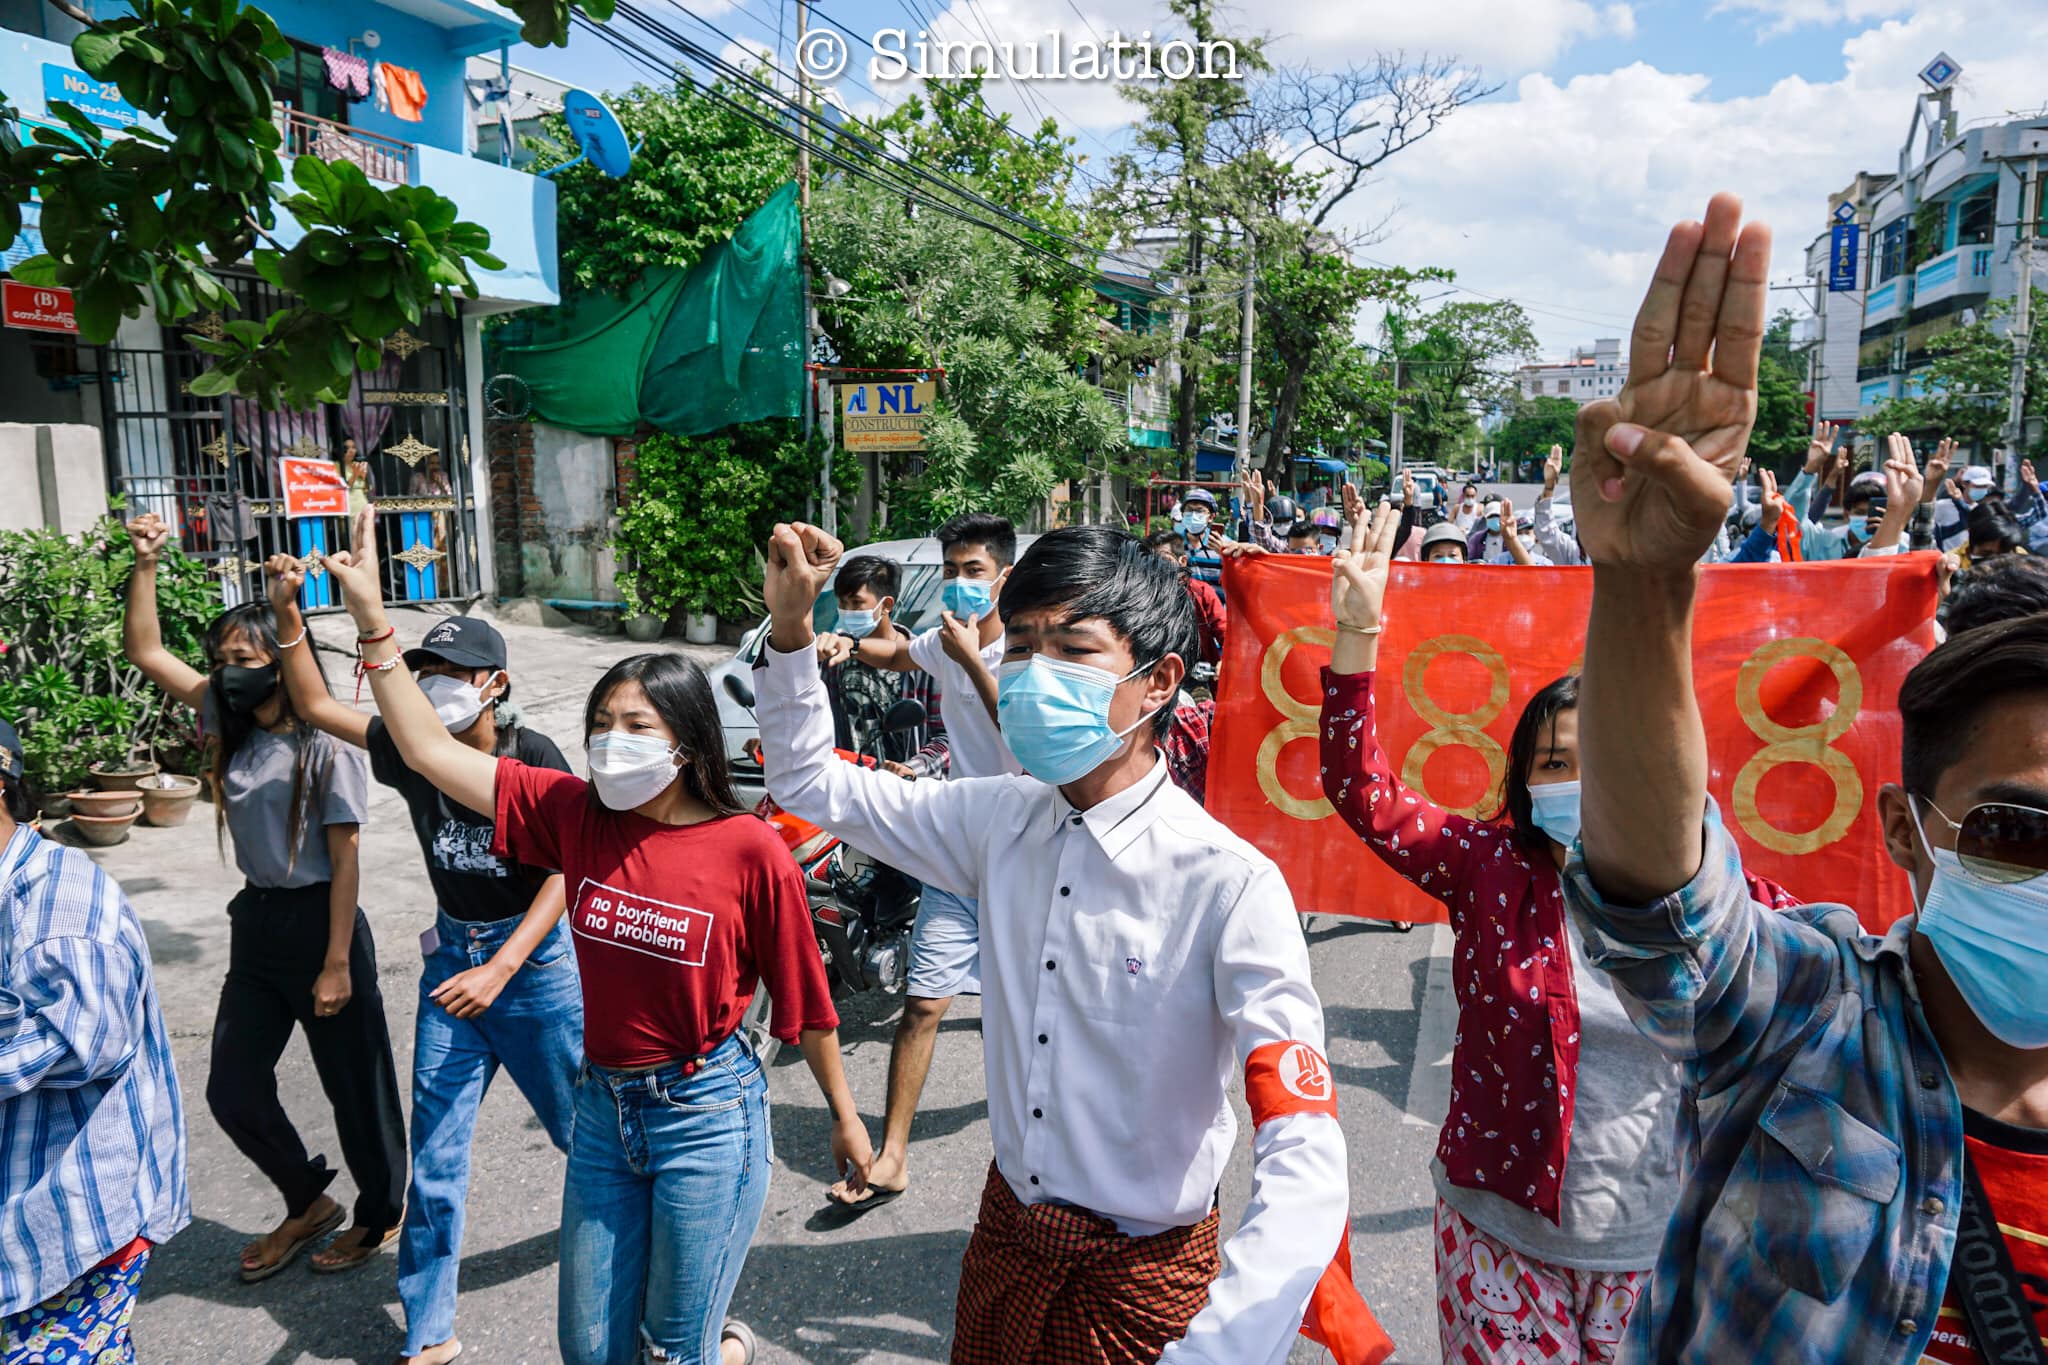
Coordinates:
1871 1132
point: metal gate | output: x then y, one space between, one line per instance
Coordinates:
209 466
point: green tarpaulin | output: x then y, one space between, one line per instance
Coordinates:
689 351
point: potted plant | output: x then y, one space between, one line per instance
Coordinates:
167 798
685 531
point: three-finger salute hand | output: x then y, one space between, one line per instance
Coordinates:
1653 469
1820 447
1773 505
1359 569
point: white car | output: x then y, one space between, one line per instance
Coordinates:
917 609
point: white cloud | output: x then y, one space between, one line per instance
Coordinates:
1782 16
1561 195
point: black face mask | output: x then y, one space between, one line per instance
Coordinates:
245 689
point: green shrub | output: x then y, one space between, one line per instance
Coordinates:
687 528
63 680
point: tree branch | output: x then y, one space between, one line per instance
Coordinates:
71 11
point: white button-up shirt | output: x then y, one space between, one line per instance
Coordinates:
1132 957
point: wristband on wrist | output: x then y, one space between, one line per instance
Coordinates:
298 639
1347 628
383 634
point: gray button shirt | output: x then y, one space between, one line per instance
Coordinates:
259 783
1621 1170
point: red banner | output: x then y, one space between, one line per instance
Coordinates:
1797 666
37 307
312 488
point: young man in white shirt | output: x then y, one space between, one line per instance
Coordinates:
1134 954
961 655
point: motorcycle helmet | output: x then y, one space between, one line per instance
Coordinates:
1282 512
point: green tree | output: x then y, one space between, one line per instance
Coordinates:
1778 441
1014 418
1534 425
1965 389
702 167
145 220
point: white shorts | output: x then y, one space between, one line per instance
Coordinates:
945 948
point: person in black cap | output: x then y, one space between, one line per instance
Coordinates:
300 951
92 1169
499 986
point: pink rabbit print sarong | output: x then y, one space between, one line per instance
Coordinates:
1496 1306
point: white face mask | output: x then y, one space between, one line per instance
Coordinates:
629 770
457 702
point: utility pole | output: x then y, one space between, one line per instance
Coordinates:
1244 366
2022 323
828 500
1394 434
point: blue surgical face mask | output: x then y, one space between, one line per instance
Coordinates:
1054 715
1194 523
1554 809
965 597
1993 940
858 624
1978 493
1493 525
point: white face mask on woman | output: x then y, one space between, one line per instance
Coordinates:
630 770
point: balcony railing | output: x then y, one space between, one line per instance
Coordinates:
381 158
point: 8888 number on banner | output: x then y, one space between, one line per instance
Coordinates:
1797 669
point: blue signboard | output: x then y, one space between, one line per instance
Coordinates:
98 100
1843 240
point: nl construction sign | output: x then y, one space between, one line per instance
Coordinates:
888 416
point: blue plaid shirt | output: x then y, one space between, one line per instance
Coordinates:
92 1134
1818 1215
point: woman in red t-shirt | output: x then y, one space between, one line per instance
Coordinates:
681 903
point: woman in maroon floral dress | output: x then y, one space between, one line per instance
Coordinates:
1560 1157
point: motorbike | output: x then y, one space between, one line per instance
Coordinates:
862 910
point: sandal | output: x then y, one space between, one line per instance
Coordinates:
352 1257
735 1330
291 1253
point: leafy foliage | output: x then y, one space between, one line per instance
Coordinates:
145 220
1966 387
701 169
1014 418
63 679
1534 425
1778 441
686 529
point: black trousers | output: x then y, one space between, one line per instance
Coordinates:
277 943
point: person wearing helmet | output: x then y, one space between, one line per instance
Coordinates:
1204 541
1443 543
1282 521
1327 520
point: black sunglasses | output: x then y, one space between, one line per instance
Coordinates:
1999 841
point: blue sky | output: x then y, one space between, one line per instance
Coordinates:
1615 118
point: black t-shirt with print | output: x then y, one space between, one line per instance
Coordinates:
472 883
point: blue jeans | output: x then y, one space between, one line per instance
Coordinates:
534 1029
667 1179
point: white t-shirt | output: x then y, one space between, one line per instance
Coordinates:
978 748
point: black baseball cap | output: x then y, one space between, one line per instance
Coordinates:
465 641
10 752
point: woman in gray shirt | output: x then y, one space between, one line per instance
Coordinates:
299 949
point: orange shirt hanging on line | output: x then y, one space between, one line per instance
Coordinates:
405 90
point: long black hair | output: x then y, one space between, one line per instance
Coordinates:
255 624
1537 717
681 696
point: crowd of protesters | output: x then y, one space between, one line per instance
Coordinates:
1694 1116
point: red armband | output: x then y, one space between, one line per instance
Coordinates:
1294 1078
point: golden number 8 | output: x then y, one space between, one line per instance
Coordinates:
1302 721
1798 744
1455 729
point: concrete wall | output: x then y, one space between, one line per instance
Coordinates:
554 500
55 476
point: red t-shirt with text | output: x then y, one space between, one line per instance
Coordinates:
2013 1164
675 925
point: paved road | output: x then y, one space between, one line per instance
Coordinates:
878 1291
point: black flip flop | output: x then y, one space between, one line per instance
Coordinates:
261 1273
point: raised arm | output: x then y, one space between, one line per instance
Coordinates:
962 642
892 654
142 636
302 680
1420 840
460 772
1902 483
922 828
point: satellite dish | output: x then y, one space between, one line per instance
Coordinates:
599 135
